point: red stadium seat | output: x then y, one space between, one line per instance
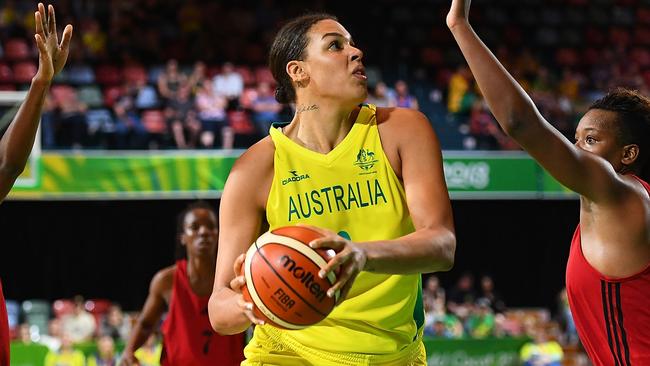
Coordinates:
111 94
97 307
108 75
17 49
133 74
62 307
212 71
7 87
154 121
24 71
6 74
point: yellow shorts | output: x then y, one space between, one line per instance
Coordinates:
270 347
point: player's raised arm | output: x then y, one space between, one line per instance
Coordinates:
16 144
582 172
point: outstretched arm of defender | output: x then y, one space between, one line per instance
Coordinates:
16 144
582 172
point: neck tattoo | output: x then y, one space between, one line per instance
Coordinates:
306 108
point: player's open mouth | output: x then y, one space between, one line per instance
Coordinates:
360 73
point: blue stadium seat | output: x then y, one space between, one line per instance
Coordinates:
80 74
100 120
13 313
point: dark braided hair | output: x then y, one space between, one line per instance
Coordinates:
290 44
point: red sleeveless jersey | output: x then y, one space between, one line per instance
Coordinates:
4 331
612 315
188 337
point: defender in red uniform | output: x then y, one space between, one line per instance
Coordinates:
17 141
612 314
608 273
188 338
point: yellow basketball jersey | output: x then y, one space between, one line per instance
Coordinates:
352 190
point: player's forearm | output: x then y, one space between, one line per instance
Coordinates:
17 142
507 100
223 312
423 251
139 335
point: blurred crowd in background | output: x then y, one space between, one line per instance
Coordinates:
153 74
89 332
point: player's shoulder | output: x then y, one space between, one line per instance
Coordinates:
257 159
252 173
636 187
163 280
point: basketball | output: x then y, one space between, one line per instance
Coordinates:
282 280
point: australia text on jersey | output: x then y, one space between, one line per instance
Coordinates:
336 198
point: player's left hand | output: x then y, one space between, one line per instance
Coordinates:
350 259
52 55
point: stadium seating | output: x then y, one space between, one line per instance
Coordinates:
108 75
135 74
13 313
91 95
37 313
100 120
6 74
17 49
24 71
111 94
98 308
80 74
62 307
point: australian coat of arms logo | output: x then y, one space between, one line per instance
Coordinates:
365 159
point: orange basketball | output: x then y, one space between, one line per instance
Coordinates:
282 280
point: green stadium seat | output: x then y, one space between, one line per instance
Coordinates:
91 95
37 313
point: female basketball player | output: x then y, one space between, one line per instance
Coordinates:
608 272
370 179
184 289
17 141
